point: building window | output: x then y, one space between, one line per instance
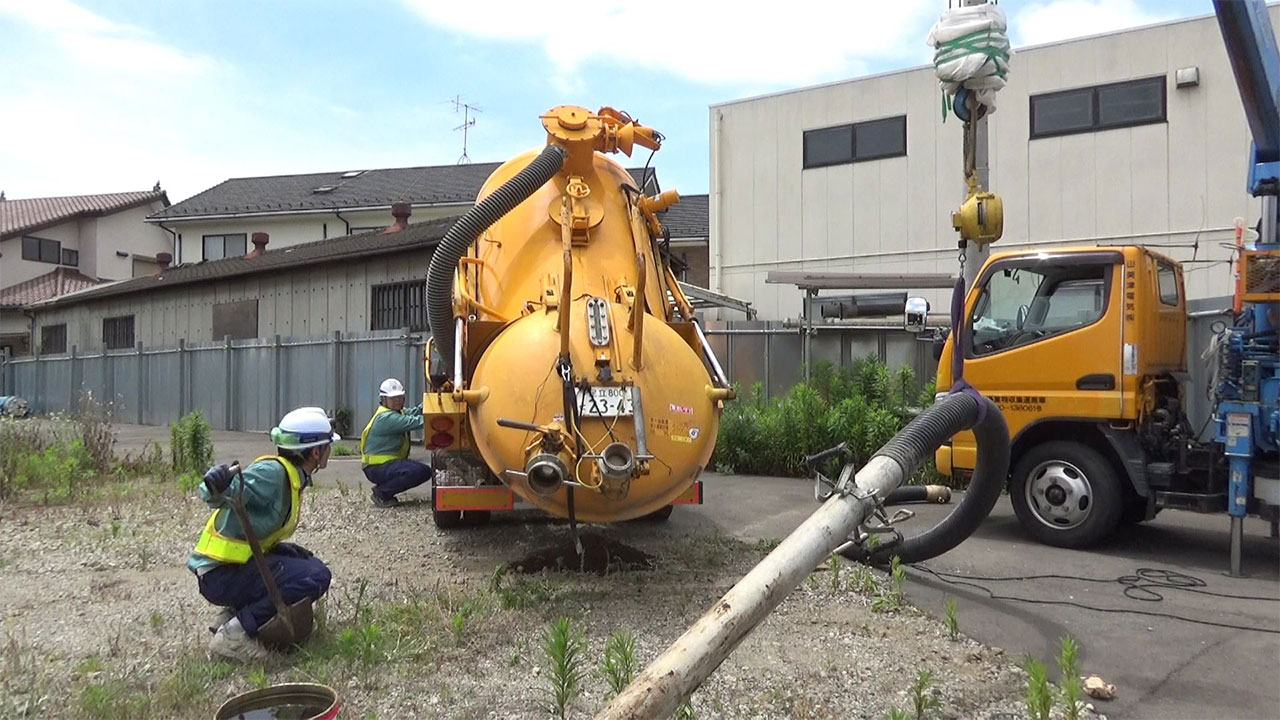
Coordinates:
217 247
1168 281
1103 107
399 305
53 339
71 258
42 250
117 332
871 140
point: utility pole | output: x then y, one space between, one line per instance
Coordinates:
467 123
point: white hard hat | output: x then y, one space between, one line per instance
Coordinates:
391 387
304 428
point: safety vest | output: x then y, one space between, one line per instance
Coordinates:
379 459
215 545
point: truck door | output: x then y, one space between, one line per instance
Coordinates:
1045 340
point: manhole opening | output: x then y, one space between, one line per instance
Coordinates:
600 555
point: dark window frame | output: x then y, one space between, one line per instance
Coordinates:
41 244
204 255
397 305
1097 125
853 156
117 334
49 337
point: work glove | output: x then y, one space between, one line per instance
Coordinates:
218 479
414 411
292 550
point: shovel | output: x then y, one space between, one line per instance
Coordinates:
292 624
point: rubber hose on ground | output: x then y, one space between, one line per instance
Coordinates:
908 494
444 262
917 441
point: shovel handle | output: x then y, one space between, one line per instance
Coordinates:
237 504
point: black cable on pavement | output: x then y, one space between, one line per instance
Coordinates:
1142 586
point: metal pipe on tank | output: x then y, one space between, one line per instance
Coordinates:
637 314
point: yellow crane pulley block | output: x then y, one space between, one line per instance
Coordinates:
980 217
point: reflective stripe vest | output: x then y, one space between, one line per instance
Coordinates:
379 459
215 545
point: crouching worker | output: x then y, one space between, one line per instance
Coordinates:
272 493
384 446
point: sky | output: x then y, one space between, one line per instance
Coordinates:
116 95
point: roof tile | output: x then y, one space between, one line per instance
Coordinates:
50 285
26 215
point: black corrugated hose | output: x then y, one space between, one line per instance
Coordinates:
444 262
953 413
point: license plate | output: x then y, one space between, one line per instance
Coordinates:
604 402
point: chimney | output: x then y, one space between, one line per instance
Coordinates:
401 212
162 259
259 244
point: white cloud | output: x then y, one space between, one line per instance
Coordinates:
713 43
1044 22
101 44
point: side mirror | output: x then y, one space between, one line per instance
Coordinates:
1023 310
916 314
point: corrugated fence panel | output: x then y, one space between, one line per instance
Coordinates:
121 372
253 391
369 364
786 364
89 374
309 376
207 385
163 388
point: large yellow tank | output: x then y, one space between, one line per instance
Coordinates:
637 418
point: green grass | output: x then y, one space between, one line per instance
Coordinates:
953 623
111 700
1069 687
563 649
619 665
923 699
1038 696
345 450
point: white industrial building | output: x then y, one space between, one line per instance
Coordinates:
1129 137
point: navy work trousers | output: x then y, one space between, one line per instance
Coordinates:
239 586
394 477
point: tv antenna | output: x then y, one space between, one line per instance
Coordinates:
467 123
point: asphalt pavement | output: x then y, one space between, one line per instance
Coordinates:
1171 653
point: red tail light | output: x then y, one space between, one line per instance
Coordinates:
441 439
442 424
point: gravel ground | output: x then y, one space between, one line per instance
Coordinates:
99 618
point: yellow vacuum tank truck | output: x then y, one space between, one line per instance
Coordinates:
566 367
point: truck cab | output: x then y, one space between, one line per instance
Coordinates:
1083 349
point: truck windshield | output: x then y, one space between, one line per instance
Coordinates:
1021 305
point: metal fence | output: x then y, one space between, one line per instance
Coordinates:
237 384
773 353
248 384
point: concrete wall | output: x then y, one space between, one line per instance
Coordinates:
286 230
311 301
97 239
1176 185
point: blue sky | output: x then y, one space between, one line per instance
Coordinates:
115 95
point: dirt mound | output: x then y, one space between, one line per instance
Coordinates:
601 555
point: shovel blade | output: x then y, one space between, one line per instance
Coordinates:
291 628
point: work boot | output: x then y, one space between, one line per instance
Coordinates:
233 643
222 618
384 502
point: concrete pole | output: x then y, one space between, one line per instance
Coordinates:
674 675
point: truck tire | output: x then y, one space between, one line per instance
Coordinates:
659 515
1066 494
447 519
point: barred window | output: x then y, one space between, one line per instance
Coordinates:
399 305
117 332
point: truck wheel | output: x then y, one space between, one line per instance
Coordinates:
476 517
1065 494
447 519
659 515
